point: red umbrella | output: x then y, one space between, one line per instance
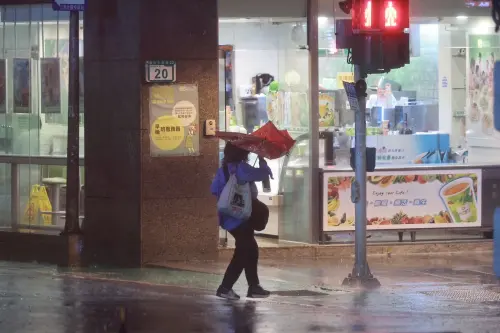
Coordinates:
267 141
236 137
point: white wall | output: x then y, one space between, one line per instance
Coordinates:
258 48
262 8
452 95
263 48
444 65
298 8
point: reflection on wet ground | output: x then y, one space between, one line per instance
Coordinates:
449 294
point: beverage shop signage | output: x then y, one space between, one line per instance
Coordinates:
405 200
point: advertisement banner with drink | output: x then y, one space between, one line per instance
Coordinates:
397 200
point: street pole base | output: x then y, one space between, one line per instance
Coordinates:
362 282
75 248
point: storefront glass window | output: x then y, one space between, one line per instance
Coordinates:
34 43
267 79
482 52
430 122
435 110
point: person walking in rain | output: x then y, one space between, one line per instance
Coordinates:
246 253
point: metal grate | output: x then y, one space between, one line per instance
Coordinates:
466 295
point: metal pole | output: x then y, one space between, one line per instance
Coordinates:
361 275
72 225
360 176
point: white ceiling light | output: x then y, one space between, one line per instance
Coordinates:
462 17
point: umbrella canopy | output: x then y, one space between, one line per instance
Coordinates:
267 141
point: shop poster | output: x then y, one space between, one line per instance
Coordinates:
3 86
22 82
50 85
403 200
326 110
483 52
174 120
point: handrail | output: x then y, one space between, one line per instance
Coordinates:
39 160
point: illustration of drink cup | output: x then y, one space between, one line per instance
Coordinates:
460 200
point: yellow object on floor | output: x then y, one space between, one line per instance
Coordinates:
38 202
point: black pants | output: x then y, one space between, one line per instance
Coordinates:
246 257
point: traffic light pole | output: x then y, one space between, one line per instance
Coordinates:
361 275
72 225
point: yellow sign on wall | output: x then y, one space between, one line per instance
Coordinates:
344 76
174 118
167 132
161 95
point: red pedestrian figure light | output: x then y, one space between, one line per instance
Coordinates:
368 14
391 15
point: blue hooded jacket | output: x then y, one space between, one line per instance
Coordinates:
244 173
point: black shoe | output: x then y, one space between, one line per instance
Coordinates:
257 292
227 294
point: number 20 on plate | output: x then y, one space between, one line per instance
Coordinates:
160 71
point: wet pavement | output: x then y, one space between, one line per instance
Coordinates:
455 293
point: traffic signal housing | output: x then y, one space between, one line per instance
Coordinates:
377 34
380 16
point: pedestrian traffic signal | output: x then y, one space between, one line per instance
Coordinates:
380 16
377 35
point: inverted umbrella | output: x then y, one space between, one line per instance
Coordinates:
267 141
270 133
236 137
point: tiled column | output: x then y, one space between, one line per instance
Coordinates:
177 211
141 209
112 228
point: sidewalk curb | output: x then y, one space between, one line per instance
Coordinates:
383 249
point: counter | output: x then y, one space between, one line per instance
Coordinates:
422 148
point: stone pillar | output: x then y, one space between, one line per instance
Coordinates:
177 210
141 209
112 226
